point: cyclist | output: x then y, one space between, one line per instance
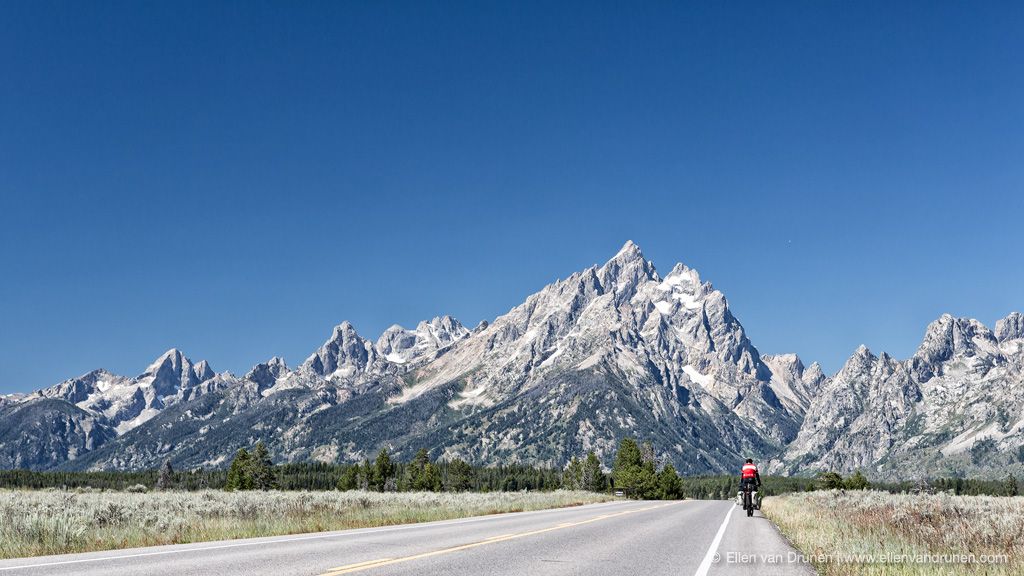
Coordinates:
749 476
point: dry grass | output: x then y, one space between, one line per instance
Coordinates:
34 523
876 533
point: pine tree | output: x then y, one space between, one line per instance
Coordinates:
431 478
365 475
647 481
240 472
633 472
627 464
349 479
166 479
383 470
460 476
1011 485
627 455
593 475
572 478
262 468
416 471
670 487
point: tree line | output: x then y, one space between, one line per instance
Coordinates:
635 472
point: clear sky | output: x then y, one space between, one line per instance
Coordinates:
234 179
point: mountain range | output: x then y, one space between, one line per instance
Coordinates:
612 350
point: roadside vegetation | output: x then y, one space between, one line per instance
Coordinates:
39 522
869 532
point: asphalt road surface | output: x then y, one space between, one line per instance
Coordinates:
622 537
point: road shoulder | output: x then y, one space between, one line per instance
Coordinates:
754 545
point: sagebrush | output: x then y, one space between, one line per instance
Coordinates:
859 532
57 522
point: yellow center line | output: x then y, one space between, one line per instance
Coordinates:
367 564
348 569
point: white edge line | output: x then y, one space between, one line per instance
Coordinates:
335 534
709 558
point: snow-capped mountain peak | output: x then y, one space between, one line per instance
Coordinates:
400 346
344 355
125 403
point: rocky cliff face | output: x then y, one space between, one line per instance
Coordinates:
955 407
41 433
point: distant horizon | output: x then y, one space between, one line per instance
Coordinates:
374 336
234 179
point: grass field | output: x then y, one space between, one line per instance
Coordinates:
858 533
39 522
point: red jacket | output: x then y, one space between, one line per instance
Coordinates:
750 472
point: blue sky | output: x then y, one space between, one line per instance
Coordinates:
234 179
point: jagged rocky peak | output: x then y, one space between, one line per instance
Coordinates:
1011 327
625 272
860 362
950 336
203 371
680 290
173 371
396 340
791 364
122 403
629 252
793 383
685 278
814 375
343 331
890 416
785 362
344 355
172 358
962 340
443 330
401 346
266 374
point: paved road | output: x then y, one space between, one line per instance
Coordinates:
651 538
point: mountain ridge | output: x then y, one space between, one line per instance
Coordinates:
612 350
952 408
